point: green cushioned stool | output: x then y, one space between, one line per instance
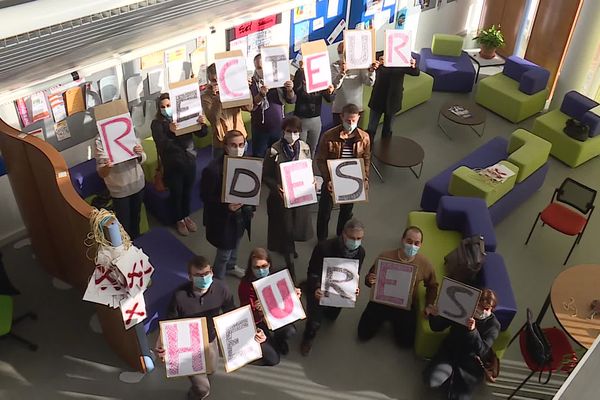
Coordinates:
447 45
528 152
468 183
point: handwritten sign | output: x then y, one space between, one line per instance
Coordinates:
232 78
297 181
276 66
359 48
348 180
185 342
397 48
339 282
281 306
185 98
236 331
116 130
242 179
394 283
135 266
133 310
255 26
317 71
457 301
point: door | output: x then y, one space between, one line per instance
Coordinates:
509 15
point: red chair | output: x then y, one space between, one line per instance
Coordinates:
569 211
564 358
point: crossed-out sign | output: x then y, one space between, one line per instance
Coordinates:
116 130
133 310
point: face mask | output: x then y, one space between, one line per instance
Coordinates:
236 151
483 314
349 127
352 244
203 282
291 137
410 249
167 113
260 272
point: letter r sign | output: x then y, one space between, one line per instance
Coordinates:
118 137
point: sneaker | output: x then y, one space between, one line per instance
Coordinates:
237 272
182 228
190 224
305 347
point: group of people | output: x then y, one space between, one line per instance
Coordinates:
279 139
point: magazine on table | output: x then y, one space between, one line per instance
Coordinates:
460 111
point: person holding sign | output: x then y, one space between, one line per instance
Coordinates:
259 266
225 223
267 114
202 297
403 320
349 84
459 359
177 155
347 245
308 108
286 225
386 97
221 119
125 182
343 141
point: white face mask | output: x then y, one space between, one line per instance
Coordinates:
483 314
349 126
291 137
236 151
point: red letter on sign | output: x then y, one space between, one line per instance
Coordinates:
272 303
294 184
223 74
174 351
109 141
311 70
396 48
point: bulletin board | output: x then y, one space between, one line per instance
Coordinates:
318 27
359 11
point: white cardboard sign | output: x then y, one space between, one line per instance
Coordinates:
236 331
277 295
317 71
348 180
185 97
242 180
116 131
394 283
298 183
397 48
133 310
232 77
275 65
457 301
359 48
185 342
339 282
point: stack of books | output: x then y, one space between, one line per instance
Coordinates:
460 111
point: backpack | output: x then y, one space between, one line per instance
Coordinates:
576 130
464 263
537 345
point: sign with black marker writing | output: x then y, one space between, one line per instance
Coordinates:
186 105
359 48
276 66
339 282
457 301
348 180
241 180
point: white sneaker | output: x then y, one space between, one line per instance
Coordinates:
236 271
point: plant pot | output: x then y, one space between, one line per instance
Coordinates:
487 52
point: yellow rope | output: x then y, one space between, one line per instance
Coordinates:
96 235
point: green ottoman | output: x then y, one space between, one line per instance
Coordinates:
528 152
447 45
466 182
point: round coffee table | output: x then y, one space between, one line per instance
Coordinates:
477 116
399 151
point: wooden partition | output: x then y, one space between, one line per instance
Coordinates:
509 15
57 221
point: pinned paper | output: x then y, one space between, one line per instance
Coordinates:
276 66
109 88
74 100
176 72
156 59
156 81
397 48
39 108
116 130
232 79
242 180
135 88
317 71
301 31
57 105
333 7
61 130
348 180
176 54
92 97
318 23
186 343
198 61
306 11
336 31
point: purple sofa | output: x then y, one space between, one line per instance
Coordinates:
470 216
578 106
86 180
488 154
531 77
450 74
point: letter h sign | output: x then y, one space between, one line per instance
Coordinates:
185 342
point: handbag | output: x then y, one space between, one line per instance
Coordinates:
490 365
464 263
159 177
576 130
537 345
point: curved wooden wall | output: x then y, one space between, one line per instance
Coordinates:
57 221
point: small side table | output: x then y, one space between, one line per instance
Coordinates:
481 62
478 116
398 151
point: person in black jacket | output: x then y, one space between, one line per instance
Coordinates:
347 245
386 97
308 109
457 363
225 223
177 156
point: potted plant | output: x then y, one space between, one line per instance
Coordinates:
490 39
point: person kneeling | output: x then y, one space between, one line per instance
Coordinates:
457 364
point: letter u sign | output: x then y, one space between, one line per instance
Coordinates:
278 297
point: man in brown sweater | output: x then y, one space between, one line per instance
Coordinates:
403 321
343 141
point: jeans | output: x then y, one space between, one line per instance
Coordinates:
386 129
311 131
324 214
128 209
262 140
180 183
225 259
200 384
404 323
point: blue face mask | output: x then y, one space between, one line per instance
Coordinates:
261 272
352 244
203 282
167 113
349 127
410 249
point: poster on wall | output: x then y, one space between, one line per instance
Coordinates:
401 18
359 48
241 180
187 107
276 66
298 183
394 283
348 180
457 301
57 104
109 88
236 331
152 60
305 12
185 342
39 108
61 130
317 71
281 305
232 79
198 61
425 4
339 282
116 130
